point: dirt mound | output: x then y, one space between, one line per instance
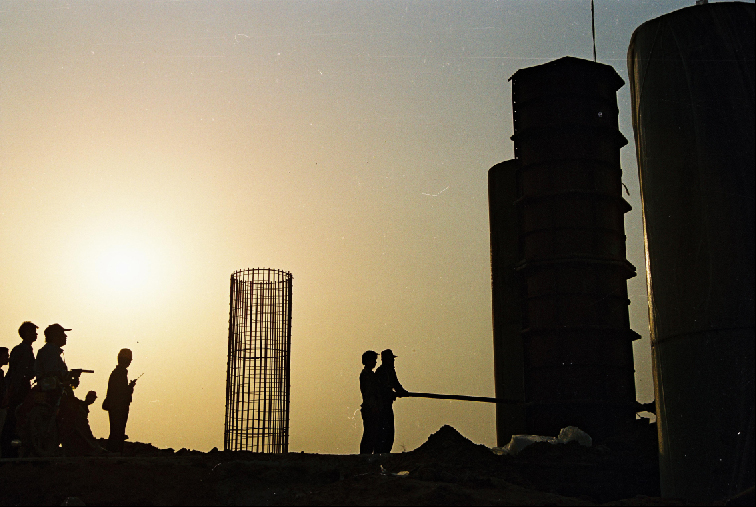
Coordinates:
445 438
449 444
447 457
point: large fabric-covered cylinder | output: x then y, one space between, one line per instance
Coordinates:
692 85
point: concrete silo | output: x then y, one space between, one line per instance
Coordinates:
562 337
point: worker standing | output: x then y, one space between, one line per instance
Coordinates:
370 405
18 382
118 400
389 389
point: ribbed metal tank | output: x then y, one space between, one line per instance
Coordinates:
577 359
692 85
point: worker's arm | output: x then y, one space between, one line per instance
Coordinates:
396 386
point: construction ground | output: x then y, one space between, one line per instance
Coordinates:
448 469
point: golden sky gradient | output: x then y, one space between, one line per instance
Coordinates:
150 149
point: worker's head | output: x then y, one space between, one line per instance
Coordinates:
56 334
124 357
28 332
3 356
370 358
387 357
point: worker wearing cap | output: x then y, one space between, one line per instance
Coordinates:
389 389
118 400
53 376
49 361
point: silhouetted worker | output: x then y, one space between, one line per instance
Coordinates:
53 375
389 389
117 401
3 409
18 383
370 405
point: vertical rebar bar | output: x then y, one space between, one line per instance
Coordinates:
257 378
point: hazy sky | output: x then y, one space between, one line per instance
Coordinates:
150 149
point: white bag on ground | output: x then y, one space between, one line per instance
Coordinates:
574 434
568 434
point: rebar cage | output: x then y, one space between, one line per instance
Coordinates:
257 377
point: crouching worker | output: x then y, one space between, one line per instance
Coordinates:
53 397
117 401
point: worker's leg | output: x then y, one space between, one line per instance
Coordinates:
369 432
118 418
390 430
386 430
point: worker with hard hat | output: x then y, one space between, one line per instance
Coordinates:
118 400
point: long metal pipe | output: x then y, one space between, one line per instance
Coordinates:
461 397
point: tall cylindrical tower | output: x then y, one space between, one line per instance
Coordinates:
572 271
258 373
509 373
692 87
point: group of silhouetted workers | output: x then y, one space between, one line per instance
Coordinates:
53 386
380 388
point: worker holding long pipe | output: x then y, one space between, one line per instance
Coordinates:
389 389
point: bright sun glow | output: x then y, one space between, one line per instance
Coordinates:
122 263
122 267
123 270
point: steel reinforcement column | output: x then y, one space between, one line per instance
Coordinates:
692 87
576 336
258 372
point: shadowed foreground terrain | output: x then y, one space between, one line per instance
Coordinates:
448 469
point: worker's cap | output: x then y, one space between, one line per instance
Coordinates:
54 330
124 353
387 353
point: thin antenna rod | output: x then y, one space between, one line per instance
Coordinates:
593 30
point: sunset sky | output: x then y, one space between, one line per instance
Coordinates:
150 149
